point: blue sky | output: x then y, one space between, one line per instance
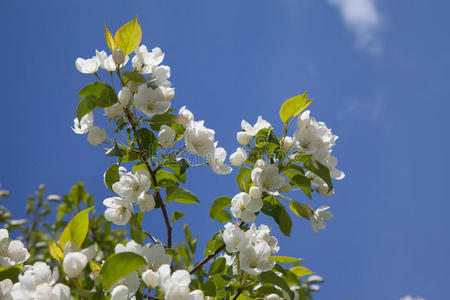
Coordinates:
379 73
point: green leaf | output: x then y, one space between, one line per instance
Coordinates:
217 210
321 171
112 175
285 222
92 89
241 178
129 36
272 207
303 182
180 195
77 229
166 178
11 273
209 288
272 278
217 266
294 106
109 39
136 228
55 250
148 141
262 137
85 106
213 244
301 271
301 210
133 76
107 98
163 119
115 151
285 259
119 266
176 216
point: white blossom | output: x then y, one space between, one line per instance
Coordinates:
238 157
12 252
151 101
253 130
199 140
244 138
96 136
38 282
409 297
244 207
144 61
272 297
75 259
217 162
125 96
83 126
121 292
150 278
254 259
262 233
233 237
160 75
185 116
130 185
87 66
146 202
6 287
317 219
114 111
176 285
118 210
166 136
107 61
287 144
267 177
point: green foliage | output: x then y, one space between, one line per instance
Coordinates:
272 278
180 195
136 228
294 106
118 266
77 229
242 177
217 210
147 141
285 259
97 94
112 175
272 207
177 215
128 36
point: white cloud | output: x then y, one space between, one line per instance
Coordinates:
363 18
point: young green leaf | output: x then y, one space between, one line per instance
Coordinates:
321 171
77 229
301 271
136 228
217 266
285 259
129 36
241 178
217 210
272 278
109 39
11 273
112 176
119 266
294 106
177 215
180 195
301 210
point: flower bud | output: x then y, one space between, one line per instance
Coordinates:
323 190
287 144
96 136
238 157
133 87
150 278
285 188
114 111
74 263
184 117
118 56
124 96
166 136
244 138
255 192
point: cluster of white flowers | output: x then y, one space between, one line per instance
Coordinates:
316 139
255 246
12 252
101 59
96 135
37 282
131 188
200 141
268 178
244 206
245 136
